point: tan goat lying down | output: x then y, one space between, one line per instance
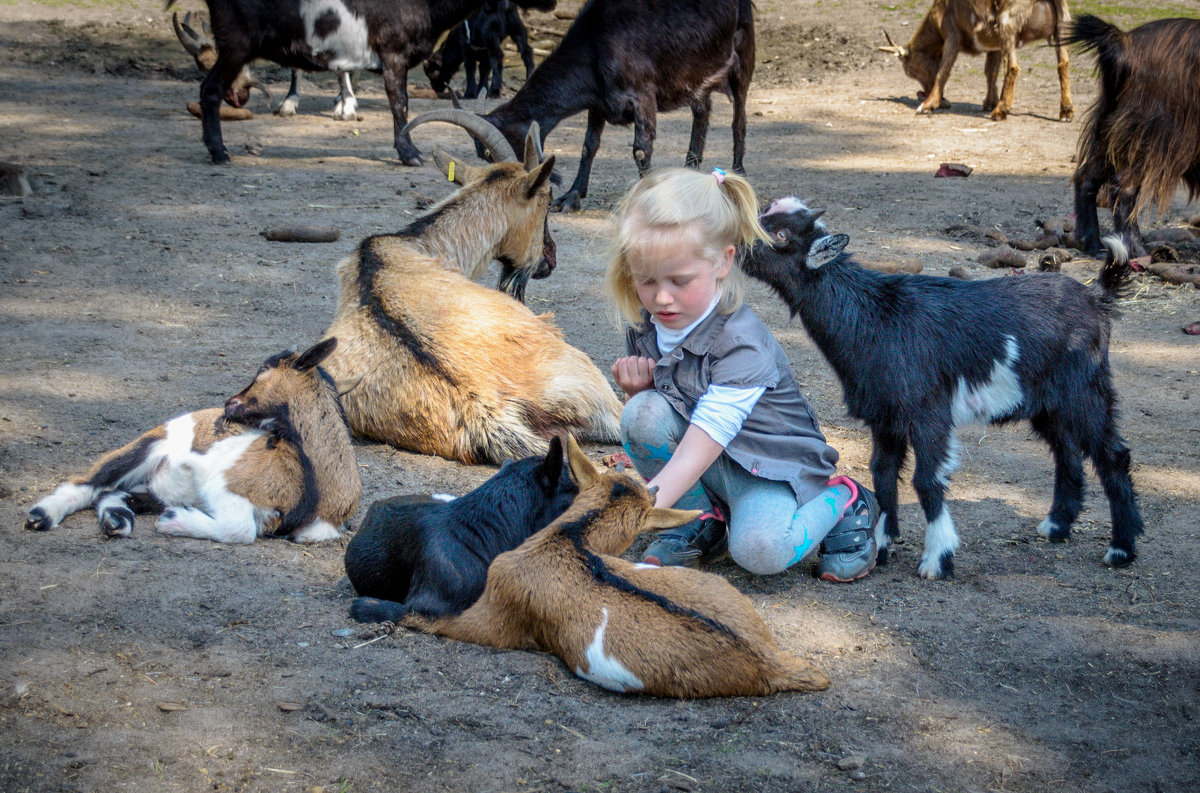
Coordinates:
451 367
276 460
664 631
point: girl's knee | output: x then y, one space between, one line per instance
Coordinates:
760 551
648 418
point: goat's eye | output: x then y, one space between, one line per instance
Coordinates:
781 236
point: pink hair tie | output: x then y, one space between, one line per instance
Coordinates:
717 172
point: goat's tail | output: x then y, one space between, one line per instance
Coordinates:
1110 44
1114 275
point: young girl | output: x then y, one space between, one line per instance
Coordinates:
714 417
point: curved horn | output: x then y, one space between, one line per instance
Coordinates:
254 83
190 39
479 128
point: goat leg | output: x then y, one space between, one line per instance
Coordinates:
991 68
345 107
701 109
887 457
291 102
1008 54
934 458
1066 109
1087 221
933 100
1125 222
1068 479
212 89
569 201
645 129
395 82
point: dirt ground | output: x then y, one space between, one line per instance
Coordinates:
135 285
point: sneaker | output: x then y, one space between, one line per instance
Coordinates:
849 551
690 545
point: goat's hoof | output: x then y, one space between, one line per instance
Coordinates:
934 569
1052 531
1066 114
368 609
409 155
220 157
999 115
882 557
38 520
567 202
117 522
1118 557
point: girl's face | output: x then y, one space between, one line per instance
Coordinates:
675 284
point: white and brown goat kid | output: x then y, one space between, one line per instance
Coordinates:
277 459
663 631
451 367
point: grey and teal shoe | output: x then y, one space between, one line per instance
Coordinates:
849 550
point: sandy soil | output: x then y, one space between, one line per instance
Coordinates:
135 285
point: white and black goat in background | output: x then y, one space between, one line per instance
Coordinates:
918 356
276 460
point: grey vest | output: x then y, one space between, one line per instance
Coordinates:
780 439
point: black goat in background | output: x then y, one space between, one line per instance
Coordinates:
478 45
919 355
624 61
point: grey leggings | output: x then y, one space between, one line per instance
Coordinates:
768 531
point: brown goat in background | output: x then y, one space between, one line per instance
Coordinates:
1142 137
663 631
277 459
450 367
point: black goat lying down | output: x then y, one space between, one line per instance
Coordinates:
918 356
416 553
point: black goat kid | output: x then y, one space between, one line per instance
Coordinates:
478 45
918 356
414 553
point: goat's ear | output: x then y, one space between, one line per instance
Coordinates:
533 146
315 354
583 470
455 169
538 176
345 385
659 518
826 249
552 466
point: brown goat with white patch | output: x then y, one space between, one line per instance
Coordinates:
997 27
1142 137
450 367
277 459
663 631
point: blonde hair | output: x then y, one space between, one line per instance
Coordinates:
709 211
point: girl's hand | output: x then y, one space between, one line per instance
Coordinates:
634 374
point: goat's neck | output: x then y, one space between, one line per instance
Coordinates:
839 305
464 235
563 85
321 429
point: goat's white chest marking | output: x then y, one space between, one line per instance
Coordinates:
332 29
605 670
994 398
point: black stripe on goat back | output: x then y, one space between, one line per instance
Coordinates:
575 531
422 224
306 508
370 264
114 469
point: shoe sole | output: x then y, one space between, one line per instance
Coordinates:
833 579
